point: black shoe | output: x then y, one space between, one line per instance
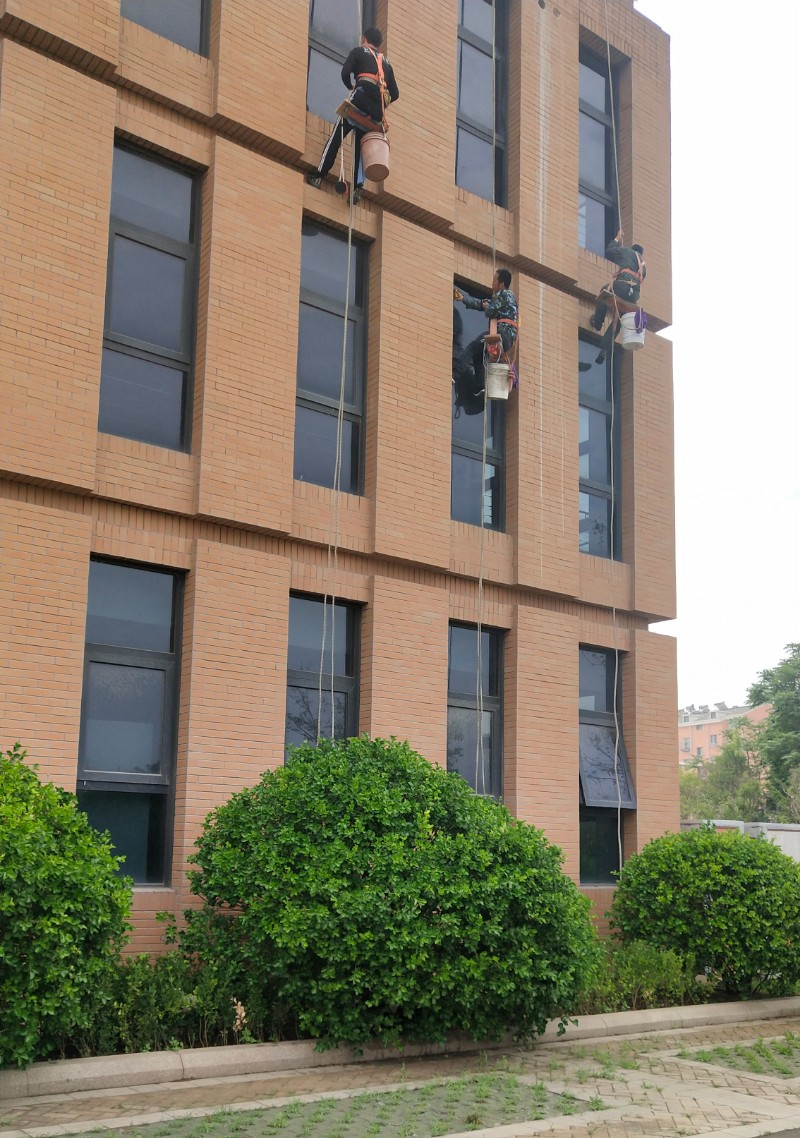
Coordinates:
314 180
355 196
598 326
601 358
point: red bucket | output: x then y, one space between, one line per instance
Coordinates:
375 156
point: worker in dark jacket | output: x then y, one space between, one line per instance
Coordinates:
370 77
626 285
501 306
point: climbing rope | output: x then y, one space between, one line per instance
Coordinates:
612 460
335 513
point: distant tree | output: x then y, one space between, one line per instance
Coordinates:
731 785
779 734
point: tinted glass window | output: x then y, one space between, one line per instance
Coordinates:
604 769
472 494
136 823
323 266
140 399
123 719
474 164
336 23
306 616
596 681
475 93
315 450
325 91
594 445
594 524
151 195
319 356
463 753
129 607
593 160
593 383
469 428
476 16
591 224
147 294
462 673
592 88
599 846
178 20
302 707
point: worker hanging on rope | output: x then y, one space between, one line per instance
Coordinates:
622 294
492 346
370 78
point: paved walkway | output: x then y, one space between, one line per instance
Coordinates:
649 1089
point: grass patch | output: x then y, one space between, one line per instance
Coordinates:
780 1057
469 1103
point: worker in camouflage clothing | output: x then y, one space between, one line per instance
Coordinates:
502 307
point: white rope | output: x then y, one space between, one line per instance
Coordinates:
612 459
334 518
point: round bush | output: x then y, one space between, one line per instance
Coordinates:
63 913
377 897
731 900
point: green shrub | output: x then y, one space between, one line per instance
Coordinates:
730 900
63 913
375 896
639 975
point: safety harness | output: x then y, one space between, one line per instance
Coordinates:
379 79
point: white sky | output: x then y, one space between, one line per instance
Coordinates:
736 266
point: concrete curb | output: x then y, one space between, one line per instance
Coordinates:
147 1068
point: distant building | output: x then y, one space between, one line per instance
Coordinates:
701 730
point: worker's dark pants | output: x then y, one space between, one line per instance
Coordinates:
341 129
366 102
472 355
625 291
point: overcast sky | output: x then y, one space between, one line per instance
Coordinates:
736 265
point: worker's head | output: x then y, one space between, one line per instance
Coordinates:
638 249
502 279
372 36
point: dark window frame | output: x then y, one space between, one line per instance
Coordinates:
189 252
493 703
496 454
609 491
609 201
601 813
205 29
498 139
317 44
162 783
355 411
350 686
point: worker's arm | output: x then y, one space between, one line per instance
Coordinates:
350 69
391 84
498 304
473 302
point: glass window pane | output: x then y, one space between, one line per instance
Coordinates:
593 383
178 20
593 88
594 445
319 356
123 719
463 754
302 706
599 846
306 617
594 524
476 16
593 163
147 288
136 823
604 769
152 195
591 225
325 89
470 494
462 671
141 400
336 23
323 265
596 681
315 449
129 607
475 93
469 428
474 164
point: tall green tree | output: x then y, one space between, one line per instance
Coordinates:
732 784
779 734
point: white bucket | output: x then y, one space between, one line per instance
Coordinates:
497 381
375 156
630 339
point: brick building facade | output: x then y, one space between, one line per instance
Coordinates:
173 302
